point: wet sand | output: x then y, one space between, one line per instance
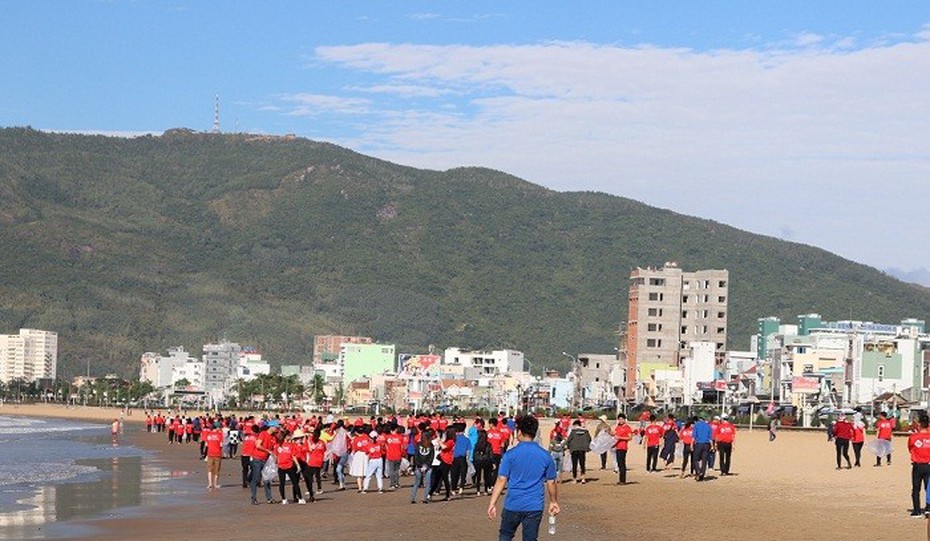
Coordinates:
788 489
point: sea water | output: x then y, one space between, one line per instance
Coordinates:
53 471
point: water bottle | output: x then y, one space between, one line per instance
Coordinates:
551 524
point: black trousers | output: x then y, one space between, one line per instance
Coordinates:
578 458
292 474
459 472
701 452
308 473
483 472
604 460
621 464
857 451
920 474
685 458
440 475
842 450
246 473
495 464
652 458
726 451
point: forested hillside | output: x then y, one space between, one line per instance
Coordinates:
132 245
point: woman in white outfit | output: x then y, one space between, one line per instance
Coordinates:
358 466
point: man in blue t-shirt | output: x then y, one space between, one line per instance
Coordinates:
528 472
703 443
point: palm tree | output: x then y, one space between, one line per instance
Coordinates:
316 388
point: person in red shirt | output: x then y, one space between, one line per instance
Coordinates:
652 436
302 461
358 467
624 433
918 444
394 447
213 438
446 453
842 433
687 440
375 452
264 444
245 457
495 438
884 428
726 433
285 452
858 440
315 456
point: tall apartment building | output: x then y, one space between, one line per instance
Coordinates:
221 364
30 355
327 347
669 309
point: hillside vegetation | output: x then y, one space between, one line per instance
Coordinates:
132 245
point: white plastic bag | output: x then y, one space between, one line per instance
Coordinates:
404 464
602 443
270 470
880 448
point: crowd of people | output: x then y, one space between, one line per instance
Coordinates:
445 457
696 441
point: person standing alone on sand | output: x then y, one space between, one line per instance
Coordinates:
918 444
602 426
529 474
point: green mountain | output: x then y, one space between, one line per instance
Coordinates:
132 245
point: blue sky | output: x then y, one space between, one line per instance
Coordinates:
800 120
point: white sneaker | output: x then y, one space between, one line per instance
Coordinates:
283 502
301 501
319 491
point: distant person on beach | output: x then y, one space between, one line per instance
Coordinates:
652 437
726 434
114 430
773 428
245 458
624 433
213 438
578 442
602 426
842 434
264 445
528 472
918 444
858 440
703 441
687 448
883 430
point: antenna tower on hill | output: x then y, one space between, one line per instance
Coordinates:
216 116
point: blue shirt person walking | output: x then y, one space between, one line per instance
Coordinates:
528 472
703 440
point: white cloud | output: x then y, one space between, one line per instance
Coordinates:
409 91
305 104
825 137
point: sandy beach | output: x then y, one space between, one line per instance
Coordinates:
787 489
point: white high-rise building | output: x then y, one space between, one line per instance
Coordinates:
30 355
166 371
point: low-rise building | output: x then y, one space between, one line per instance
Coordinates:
488 363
